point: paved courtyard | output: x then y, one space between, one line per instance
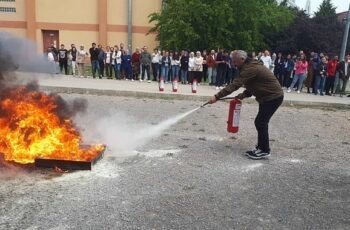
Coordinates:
192 175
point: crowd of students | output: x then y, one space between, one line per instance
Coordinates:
319 73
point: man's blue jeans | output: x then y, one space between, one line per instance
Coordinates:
95 67
319 84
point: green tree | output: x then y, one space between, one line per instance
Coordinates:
203 24
326 9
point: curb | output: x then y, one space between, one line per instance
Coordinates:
167 96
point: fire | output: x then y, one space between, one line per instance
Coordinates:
31 128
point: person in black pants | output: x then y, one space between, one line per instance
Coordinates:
260 82
63 59
221 69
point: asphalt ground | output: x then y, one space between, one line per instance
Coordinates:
193 175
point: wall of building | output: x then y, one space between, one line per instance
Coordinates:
79 21
67 11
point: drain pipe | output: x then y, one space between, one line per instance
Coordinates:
130 25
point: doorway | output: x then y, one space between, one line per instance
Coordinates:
50 37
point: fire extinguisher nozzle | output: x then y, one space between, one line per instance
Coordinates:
204 104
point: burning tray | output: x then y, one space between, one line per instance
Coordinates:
69 164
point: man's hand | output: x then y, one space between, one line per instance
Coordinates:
240 96
212 100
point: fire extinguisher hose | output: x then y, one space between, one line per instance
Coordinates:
221 99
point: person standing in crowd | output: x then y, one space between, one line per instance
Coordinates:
108 62
184 67
211 66
135 61
94 51
112 61
126 60
332 70
155 64
165 66
73 53
175 63
221 67
320 77
122 73
266 59
205 66
288 70
198 67
190 67
81 54
273 59
51 60
313 71
101 60
117 56
63 59
229 68
344 73
260 82
300 72
146 60
279 68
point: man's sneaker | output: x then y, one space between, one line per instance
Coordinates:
258 154
289 90
253 150
149 81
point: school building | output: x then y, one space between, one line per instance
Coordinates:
106 22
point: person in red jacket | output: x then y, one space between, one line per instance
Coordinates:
332 70
135 60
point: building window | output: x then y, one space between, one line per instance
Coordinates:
7 9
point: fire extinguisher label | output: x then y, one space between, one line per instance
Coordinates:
236 115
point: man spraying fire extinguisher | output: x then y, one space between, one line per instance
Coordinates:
260 82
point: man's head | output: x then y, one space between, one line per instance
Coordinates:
212 51
62 46
336 58
144 48
239 57
93 44
347 58
81 46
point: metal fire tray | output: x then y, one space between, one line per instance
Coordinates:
68 164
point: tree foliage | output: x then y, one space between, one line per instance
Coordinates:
203 24
322 33
326 9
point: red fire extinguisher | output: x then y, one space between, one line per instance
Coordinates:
161 84
194 86
175 86
233 116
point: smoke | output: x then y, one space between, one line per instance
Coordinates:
123 133
18 54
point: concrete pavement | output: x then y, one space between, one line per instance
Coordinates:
70 84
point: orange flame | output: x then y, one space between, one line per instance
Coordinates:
30 129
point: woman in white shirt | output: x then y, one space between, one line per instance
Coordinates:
198 67
191 66
81 54
108 62
266 59
117 57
